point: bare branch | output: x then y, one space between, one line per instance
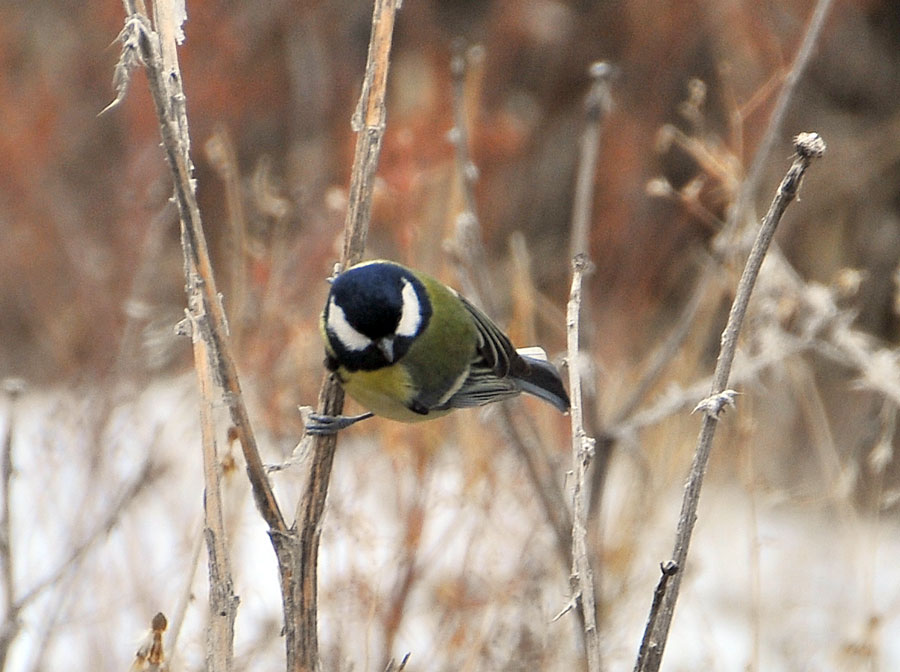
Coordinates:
582 451
213 360
223 603
598 103
597 106
750 185
12 388
168 97
667 350
469 247
186 597
468 252
807 146
221 154
298 556
296 548
667 570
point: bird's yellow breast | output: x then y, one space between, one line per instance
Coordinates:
385 392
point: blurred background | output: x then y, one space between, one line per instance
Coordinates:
434 541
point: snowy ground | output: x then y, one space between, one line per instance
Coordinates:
452 564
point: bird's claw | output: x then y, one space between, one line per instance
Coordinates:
319 424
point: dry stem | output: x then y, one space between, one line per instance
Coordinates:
582 451
213 360
301 552
597 106
468 251
223 603
808 146
169 102
12 389
666 571
296 549
474 275
750 185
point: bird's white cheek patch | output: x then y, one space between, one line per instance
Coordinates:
411 316
344 331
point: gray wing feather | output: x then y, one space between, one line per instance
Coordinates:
500 372
489 377
482 387
496 349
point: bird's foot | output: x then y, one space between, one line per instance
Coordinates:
331 424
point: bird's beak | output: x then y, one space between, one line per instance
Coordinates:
386 345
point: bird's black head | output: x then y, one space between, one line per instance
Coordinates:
374 313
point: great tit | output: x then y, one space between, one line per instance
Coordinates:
409 348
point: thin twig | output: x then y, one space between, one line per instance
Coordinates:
407 572
212 357
582 451
543 478
12 388
808 146
213 360
300 560
369 121
142 480
223 603
168 98
220 152
474 275
668 349
459 135
745 195
469 254
296 548
677 400
597 106
750 185
187 594
666 571
618 425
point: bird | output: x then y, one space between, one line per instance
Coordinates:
409 348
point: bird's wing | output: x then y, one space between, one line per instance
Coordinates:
495 348
482 386
492 375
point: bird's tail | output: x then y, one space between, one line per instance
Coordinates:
541 379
